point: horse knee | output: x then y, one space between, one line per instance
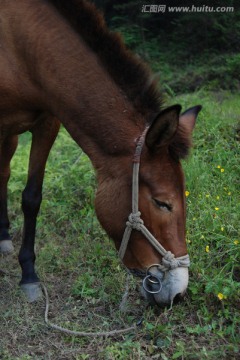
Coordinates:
31 201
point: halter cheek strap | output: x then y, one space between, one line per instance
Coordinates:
169 261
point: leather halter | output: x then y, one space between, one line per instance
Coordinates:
169 261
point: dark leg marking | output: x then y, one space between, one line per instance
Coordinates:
43 138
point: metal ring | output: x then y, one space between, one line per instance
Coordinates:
156 265
149 278
152 275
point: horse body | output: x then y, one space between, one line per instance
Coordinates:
49 71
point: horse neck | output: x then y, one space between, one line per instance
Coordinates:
76 88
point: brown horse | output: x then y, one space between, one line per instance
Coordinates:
58 60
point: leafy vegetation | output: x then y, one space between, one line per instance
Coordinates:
188 50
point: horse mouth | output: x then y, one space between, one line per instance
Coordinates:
165 288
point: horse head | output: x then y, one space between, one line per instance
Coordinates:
155 247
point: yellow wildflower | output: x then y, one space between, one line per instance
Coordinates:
187 193
222 228
207 195
229 193
222 170
216 208
207 249
217 197
219 167
221 296
236 242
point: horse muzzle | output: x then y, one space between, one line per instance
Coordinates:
162 288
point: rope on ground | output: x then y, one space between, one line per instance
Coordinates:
82 333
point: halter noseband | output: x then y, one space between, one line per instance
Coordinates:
169 261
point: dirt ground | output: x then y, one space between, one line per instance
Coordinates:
24 334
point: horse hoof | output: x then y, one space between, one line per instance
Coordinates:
6 247
32 291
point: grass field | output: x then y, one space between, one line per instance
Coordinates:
85 279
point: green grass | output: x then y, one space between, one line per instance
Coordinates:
85 279
191 74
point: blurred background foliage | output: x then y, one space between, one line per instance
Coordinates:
188 50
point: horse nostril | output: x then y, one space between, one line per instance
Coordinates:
178 297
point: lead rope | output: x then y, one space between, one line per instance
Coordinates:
83 333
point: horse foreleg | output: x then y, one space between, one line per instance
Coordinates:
43 136
7 151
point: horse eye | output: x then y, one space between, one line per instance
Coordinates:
162 205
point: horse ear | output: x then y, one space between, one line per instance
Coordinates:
188 119
182 141
163 127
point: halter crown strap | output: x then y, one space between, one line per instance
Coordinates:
169 261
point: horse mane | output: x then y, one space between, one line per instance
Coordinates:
127 70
